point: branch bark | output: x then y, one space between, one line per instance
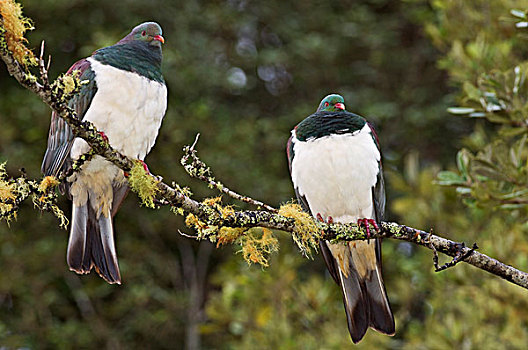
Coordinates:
56 96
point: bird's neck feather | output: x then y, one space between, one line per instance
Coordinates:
134 56
321 124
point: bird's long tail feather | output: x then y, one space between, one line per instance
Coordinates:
91 244
365 288
357 270
356 307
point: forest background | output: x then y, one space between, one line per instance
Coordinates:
243 73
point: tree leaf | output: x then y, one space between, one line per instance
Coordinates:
460 110
449 178
518 13
463 158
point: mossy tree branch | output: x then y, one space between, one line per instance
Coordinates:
222 224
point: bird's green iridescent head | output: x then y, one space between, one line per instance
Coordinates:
149 32
332 103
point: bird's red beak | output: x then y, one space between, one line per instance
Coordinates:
340 105
159 38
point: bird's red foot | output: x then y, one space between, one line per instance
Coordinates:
103 136
366 222
145 166
329 220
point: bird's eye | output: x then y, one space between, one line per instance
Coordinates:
326 104
143 33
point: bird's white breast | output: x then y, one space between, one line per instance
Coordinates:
336 174
128 108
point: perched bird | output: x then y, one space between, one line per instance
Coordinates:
125 97
335 166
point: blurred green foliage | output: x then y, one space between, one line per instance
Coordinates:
243 73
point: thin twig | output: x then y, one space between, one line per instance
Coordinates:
42 67
186 235
199 170
432 247
459 256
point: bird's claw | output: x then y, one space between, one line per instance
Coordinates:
329 220
365 222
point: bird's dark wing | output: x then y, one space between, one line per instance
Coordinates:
378 196
289 151
378 191
60 139
381 317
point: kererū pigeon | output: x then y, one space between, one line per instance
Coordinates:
125 97
335 166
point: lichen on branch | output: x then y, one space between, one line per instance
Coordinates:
144 184
306 233
13 26
257 246
13 191
66 86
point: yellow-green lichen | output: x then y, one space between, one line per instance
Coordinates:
44 196
306 232
186 191
59 214
144 184
47 183
257 246
15 191
70 84
228 235
177 211
213 209
13 26
203 229
8 195
256 243
224 211
66 85
47 201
